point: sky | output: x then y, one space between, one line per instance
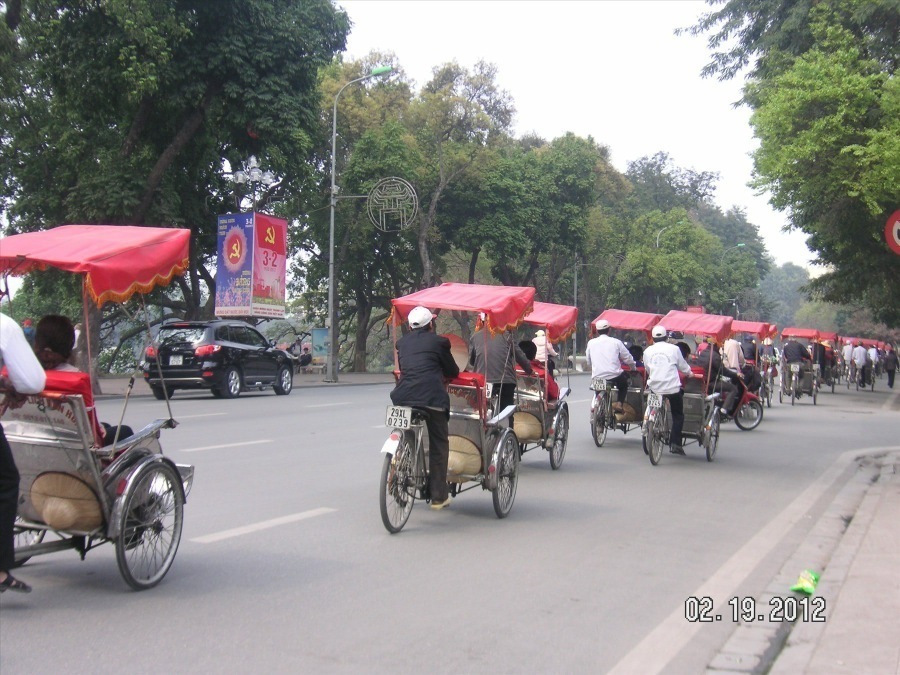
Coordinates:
609 69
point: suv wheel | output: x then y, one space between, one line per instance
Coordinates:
160 394
284 382
231 383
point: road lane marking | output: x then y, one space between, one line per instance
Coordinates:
229 445
327 405
663 643
264 525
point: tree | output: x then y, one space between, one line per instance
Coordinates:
131 111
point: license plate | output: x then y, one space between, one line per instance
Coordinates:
598 384
795 367
176 360
654 400
398 417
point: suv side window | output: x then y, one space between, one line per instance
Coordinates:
248 336
223 334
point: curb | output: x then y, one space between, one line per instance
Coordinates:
829 548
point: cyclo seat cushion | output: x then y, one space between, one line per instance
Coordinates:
66 382
469 379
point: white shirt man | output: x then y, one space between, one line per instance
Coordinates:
605 355
873 354
847 352
859 355
663 362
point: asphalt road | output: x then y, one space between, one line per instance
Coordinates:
284 565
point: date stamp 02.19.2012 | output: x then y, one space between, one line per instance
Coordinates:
744 610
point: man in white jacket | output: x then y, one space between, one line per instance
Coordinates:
663 361
25 376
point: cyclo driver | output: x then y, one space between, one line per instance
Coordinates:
605 355
663 361
425 360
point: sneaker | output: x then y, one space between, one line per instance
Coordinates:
437 506
723 412
676 450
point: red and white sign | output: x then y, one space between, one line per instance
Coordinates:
892 232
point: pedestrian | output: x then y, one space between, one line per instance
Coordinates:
25 376
425 360
28 331
890 365
663 361
605 355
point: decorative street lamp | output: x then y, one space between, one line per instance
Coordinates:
730 248
330 367
660 232
253 177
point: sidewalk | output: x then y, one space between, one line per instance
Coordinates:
855 547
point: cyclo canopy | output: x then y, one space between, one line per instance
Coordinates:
757 328
693 323
505 307
557 320
116 261
625 319
802 333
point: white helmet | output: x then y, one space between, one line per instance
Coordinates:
602 324
419 316
659 331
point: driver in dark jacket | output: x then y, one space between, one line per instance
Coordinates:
711 361
425 360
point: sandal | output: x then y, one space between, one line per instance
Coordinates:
13 584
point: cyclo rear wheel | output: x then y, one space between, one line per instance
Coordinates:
507 474
712 438
398 485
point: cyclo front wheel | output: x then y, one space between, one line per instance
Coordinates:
560 437
598 420
150 530
507 474
397 488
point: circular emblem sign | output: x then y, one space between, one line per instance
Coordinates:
235 249
392 204
892 232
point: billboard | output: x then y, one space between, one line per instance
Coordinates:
251 270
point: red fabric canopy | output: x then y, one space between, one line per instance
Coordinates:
116 260
757 328
624 319
558 320
804 333
505 306
831 336
710 325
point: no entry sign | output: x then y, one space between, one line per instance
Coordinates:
892 232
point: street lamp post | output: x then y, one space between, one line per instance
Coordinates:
330 367
730 248
253 175
660 232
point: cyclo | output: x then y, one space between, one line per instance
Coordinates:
484 449
701 410
72 487
538 421
602 417
795 379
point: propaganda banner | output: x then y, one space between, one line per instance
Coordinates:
251 270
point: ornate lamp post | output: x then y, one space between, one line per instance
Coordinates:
253 177
330 367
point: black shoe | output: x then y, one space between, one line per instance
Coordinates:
676 450
10 583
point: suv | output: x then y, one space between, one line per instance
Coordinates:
224 356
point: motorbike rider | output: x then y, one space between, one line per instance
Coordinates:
605 356
425 360
710 359
663 361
